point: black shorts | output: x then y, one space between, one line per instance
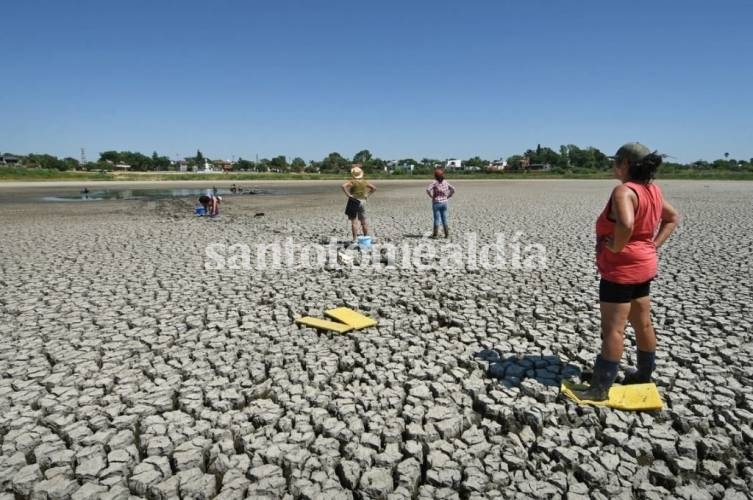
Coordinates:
621 294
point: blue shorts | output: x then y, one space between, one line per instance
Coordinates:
440 212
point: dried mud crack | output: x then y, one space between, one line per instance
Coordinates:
127 370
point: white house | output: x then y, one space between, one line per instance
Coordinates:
497 165
208 167
454 164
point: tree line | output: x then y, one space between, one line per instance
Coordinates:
568 158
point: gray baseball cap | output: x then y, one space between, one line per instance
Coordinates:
632 151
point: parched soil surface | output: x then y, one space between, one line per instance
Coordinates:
128 370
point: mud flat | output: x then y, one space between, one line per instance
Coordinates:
128 370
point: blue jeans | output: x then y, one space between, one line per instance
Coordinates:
440 213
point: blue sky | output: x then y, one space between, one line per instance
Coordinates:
403 79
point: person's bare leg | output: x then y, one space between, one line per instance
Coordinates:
614 316
645 337
640 319
365 227
613 319
354 228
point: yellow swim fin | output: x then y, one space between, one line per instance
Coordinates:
635 397
352 318
323 324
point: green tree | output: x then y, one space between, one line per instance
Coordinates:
362 156
590 158
430 162
600 160
578 157
374 165
160 162
263 165
46 161
298 164
407 161
279 163
515 162
475 162
70 163
335 162
244 165
543 156
112 156
137 161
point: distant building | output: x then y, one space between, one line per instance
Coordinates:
396 166
224 165
497 166
8 159
208 167
454 164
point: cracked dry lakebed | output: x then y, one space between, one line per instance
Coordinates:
130 370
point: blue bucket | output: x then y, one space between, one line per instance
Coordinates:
364 241
200 211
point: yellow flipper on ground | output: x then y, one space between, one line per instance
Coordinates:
351 318
621 397
323 324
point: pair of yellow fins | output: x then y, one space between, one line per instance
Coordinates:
622 397
347 320
635 397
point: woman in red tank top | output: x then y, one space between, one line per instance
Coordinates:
636 221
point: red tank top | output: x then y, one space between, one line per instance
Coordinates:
637 262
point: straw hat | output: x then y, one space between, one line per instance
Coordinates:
356 172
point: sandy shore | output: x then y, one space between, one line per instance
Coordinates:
129 370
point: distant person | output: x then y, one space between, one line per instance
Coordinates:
211 204
85 192
234 188
440 191
636 221
358 191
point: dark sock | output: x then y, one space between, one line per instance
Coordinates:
646 363
603 377
605 372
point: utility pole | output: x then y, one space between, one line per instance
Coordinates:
83 157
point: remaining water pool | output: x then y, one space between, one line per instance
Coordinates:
151 194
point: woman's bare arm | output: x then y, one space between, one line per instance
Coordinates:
623 204
669 220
